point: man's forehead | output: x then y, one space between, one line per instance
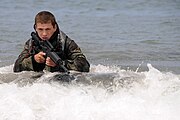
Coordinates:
49 24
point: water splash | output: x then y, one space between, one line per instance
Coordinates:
107 92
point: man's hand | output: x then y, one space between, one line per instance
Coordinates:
49 62
39 58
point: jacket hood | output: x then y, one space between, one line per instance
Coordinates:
55 34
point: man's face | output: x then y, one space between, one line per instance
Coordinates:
45 30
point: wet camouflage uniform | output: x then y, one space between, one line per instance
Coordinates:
66 48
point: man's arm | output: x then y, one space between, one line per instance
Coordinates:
25 61
76 59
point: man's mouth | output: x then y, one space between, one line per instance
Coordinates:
44 38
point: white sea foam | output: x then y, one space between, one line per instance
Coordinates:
6 69
154 95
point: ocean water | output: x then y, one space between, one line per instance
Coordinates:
133 47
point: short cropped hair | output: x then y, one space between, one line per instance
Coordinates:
45 17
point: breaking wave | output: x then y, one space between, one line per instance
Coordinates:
106 92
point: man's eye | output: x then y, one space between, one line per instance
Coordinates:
40 29
48 29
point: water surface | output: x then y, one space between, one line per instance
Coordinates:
134 50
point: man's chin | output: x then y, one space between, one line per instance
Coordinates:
44 38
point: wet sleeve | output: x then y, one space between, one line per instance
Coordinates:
25 61
23 58
76 59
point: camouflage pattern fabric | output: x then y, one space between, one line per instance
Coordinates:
71 55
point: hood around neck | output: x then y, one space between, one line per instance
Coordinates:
55 35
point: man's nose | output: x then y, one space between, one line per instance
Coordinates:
44 32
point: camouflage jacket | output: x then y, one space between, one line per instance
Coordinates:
67 50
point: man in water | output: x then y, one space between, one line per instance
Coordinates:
47 28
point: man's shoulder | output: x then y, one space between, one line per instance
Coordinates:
63 35
65 38
29 42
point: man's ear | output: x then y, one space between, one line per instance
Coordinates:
55 26
35 27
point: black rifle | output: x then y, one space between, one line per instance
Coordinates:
47 48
